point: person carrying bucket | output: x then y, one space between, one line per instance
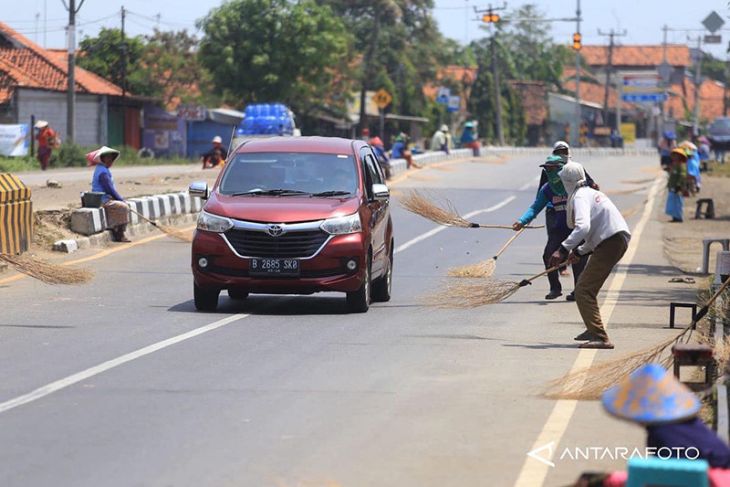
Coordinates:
117 211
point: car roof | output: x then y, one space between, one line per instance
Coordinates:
323 145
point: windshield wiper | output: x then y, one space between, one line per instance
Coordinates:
271 192
332 193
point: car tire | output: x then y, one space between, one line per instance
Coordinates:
382 286
237 294
205 299
359 301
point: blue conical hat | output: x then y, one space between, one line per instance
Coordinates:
651 395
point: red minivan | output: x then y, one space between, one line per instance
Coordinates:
295 215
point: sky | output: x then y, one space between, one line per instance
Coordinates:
642 19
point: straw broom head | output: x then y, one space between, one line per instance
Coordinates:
464 294
418 203
176 233
480 270
47 272
588 384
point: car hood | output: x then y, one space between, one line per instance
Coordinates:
280 209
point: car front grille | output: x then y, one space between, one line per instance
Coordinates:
249 243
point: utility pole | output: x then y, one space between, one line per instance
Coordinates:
71 91
576 129
609 69
698 85
490 17
124 55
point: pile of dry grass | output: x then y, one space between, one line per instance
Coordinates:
47 272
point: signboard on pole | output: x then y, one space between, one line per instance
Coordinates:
712 39
14 140
713 22
454 104
443 95
642 88
382 98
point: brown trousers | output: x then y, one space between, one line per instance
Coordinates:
599 267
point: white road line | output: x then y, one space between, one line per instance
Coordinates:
439 229
533 472
529 184
110 364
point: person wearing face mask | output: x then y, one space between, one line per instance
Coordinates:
552 196
597 223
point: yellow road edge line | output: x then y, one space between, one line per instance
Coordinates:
533 471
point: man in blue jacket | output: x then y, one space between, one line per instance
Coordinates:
552 195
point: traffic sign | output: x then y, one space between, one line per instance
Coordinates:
443 95
382 98
454 104
712 39
713 22
665 71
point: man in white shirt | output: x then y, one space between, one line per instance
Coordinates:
600 231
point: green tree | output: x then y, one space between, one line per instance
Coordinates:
274 50
104 55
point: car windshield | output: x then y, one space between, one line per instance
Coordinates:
289 174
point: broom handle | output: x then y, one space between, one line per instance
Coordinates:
703 311
504 227
504 247
143 217
546 271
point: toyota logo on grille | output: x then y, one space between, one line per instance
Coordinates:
275 230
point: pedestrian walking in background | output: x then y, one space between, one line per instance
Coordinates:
47 141
552 195
598 230
117 211
677 185
440 140
470 139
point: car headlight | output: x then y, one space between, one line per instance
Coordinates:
213 223
342 225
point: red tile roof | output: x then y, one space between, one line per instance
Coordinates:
677 55
24 63
683 97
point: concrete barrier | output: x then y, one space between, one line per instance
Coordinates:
399 166
92 221
16 215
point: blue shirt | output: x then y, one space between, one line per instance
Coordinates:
547 197
102 182
397 150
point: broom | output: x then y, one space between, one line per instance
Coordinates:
483 269
447 215
464 295
591 382
47 272
173 232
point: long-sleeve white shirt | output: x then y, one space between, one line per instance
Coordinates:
596 219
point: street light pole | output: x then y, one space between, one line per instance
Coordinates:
698 85
71 88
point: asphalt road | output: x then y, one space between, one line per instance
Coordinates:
290 391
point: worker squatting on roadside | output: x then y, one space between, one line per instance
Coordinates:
117 211
552 196
597 223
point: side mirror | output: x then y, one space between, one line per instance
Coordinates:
381 192
199 189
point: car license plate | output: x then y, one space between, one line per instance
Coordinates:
274 267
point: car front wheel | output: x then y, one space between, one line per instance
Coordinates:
359 301
205 299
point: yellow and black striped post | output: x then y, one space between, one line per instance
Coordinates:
16 215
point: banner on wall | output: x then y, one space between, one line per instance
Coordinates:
14 140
